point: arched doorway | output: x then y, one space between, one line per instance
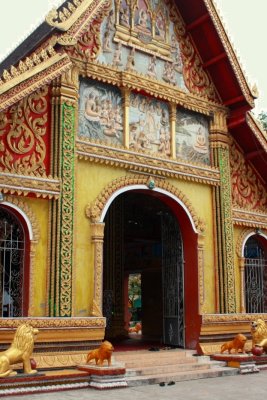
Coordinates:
143 237
255 254
14 260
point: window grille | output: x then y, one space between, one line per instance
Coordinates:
255 277
12 252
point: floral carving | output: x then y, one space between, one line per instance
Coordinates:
23 129
89 43
247 190
196 78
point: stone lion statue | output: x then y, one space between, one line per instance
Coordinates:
258 332
104 352
20 351
238 343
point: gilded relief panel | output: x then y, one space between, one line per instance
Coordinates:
24 133
139 36
248 190
192 137
100 112
149 125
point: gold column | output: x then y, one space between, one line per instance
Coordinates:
223 222
242 284
201 284
32 277
98 241
126 109
61 247
173 129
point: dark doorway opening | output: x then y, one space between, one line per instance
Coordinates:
142 239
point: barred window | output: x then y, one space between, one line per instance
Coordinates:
255 276
12 259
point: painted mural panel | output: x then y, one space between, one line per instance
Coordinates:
149 125
139 36
192 137
100 112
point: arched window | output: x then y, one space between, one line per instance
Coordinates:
13 257
255 275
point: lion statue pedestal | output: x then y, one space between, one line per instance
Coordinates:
20 351
102 376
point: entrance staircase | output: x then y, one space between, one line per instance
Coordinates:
168 366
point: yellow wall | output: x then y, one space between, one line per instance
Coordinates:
91 179
40 209
200 196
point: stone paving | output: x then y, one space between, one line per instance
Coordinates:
238 387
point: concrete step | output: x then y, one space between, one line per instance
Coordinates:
147 358
166 369
180 376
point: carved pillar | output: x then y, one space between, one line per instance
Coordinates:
173 129
32 277
242 284
201 285
223 225
126 108
98 240
64 102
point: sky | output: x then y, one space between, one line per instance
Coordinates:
245 22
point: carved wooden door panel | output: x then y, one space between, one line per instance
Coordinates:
173 282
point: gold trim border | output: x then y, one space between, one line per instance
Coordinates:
94 210
41 186
52 323
249 219
147 163
43 74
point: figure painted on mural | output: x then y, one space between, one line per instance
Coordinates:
200 143
174 44
151 70
178 63
106 42
111 21
172 74
91 111
117 59
160 27
164 118
125 15
144 21
130 65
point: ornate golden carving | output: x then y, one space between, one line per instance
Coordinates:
251 219
158 89
246 90
257 129
147 163
13 91
43 187
20 351
54 323
248 192
23 128
94 210
201 274
232 319
98 239
73 14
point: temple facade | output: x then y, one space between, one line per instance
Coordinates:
129 146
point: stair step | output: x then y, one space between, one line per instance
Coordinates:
181 376
158 369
